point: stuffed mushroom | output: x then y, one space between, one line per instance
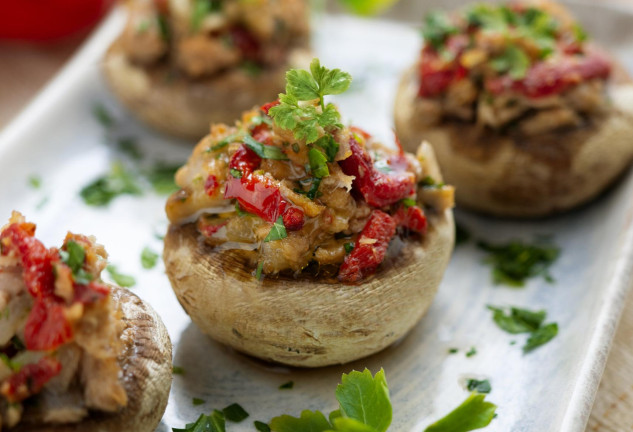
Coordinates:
301 241
527 116
181 64
75 354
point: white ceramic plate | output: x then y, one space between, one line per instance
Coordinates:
550 389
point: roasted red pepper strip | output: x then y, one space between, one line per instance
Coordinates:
370 248
46 327
30 379
378 188
256 194
436 74
293 219
412 218
269 105
549 78
91 293
211 185
245 160
246 43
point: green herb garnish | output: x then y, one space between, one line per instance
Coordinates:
226 141
201 8
367 7
453 350
74 257
318 163
437 27
161 176
264 151
473 413
471 352
197 401
163 26
525 321
287 385
541 336
235 173
513 61
102 115
329 145
480 386
261 426
235 413
349 247
148 258
516 261
296 148
302 85
258 272
120 279
277 232
177 370
129 146
35 181
103 190
408 202
206 423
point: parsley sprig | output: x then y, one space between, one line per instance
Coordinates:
304 119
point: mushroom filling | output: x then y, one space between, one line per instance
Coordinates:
203 38
291 189
524 67
59 330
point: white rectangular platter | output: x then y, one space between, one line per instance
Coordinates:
550 389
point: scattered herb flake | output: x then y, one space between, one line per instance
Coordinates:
177 370
437 27
541 336
161 176
287 385
473 413
236 173
480 386
278 231
197 401
130 147
264 151
516 261
35 181
261 426
103 190
120 279
518 320
201 8
235 413
74 257
513 61
453 350
318 163
102 115
206 423
471 352
408 202
258 272
329 145
148 258
349 247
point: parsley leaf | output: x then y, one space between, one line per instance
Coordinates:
177 370
197 401
287 385
235 413
129 146
74 257
261 426
201 8
235 173
161 176
367 7
513 61
516 261
103 190
102 115
304 119
349 247
206 423
329 145
278 231
471 352
541 337
480 386
258 272
437 27
309 421
365 398
519 320
35 181
226 141
318 163
264 151
473 413
120 279
148 258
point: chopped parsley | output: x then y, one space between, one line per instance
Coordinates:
408 202
430 182
261 426
235 413
74 257
313 192
264 151
367 7
513 61
226 141
305 121
525 321
258 272
35 181
201 8
277 232
129 146
177 370
161 176
213 422
349 247
318 163
287 385
329 145
148 258
453 350
437 27
473 413
235 173
104 189
471 352
197 401
480 386
103 116
516 261
163 26
122 280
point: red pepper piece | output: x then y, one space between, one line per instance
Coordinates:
378 188
412 218
549 78
46 327
35 258
30 379
211 185
269 105
370 248
262 134
91 293
256 194
208 229
436 74
293 219
245 160
246 43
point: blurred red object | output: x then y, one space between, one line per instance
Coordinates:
49 20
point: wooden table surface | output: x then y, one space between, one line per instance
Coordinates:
27 68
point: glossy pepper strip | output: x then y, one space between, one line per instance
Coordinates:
30 379
269 105
550 78
436 74
370 248
378 188
412 218
46 327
